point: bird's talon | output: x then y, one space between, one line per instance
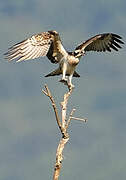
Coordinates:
63 81
70 86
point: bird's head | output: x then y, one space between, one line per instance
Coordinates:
78 53
53 32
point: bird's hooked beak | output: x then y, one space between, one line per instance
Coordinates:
83 53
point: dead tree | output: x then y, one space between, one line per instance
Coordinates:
63 124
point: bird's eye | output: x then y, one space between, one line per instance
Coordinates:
76 53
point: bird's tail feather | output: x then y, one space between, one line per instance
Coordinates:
54 73
58 72
76 74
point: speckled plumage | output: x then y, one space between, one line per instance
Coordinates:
49 44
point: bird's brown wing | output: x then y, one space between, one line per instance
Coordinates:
31 48
38 45
101 42
56 51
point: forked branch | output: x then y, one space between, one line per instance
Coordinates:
63 125
48 93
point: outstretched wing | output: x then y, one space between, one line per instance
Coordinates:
33 47
42 44
101 42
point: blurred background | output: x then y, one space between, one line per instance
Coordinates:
28 131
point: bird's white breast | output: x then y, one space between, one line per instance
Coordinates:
70 63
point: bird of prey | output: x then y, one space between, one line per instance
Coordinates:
49 44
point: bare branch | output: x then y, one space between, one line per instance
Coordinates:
79 119
65 136
68 121
64 107
45 92
63 125
48 93
59 158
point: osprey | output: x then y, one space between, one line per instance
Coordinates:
49 44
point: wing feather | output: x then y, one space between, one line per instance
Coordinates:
29 55
31 48
42 44
101 42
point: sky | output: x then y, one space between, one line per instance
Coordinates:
28 131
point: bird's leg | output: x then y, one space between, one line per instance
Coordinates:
70 85
64 79
64 72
